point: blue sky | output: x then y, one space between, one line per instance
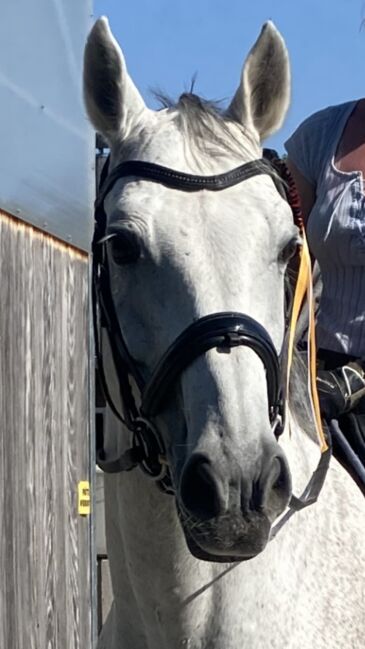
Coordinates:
166 41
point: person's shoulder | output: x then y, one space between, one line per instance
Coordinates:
326 118
308 147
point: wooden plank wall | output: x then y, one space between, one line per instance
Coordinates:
45 546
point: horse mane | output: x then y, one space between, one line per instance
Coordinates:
205 122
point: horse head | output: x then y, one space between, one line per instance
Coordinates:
178 256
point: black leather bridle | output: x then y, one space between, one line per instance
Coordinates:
218 330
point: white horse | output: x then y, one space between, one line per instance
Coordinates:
199 253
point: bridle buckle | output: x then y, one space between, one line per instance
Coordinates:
147 438
277 425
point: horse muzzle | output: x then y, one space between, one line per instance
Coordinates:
226 514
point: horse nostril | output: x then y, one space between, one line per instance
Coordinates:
277 490
280 478
255 500
199 489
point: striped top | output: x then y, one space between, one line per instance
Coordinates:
335 229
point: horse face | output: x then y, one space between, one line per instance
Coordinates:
180 256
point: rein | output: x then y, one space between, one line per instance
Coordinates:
220 330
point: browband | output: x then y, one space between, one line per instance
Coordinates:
180 180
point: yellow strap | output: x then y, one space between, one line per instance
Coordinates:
304 288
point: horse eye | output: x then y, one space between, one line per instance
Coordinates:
125 248
289 250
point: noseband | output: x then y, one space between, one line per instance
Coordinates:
221 331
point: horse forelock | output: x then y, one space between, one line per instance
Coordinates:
207 127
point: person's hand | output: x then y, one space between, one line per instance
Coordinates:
339 390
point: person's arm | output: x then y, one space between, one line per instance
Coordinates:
307 191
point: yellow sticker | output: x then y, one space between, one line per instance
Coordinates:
84 497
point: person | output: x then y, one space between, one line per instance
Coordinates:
326 157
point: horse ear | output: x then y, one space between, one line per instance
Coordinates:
111 98
262 98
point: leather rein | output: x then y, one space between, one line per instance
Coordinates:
221 331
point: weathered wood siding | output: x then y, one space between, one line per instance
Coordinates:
45 546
